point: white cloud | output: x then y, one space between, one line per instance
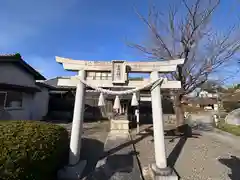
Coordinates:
24 19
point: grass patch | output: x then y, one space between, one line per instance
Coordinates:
233 129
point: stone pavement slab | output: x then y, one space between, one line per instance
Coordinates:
119 161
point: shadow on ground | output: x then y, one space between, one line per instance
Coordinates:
119 163
111 165
91 151
233 163
173 156
203 126
172 136
110 162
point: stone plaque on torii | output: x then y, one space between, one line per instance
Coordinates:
119 70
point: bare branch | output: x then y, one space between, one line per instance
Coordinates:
185 31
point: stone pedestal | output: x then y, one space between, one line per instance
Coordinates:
162 174
119 125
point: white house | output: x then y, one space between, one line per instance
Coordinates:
205 94
21 98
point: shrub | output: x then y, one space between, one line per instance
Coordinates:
31 150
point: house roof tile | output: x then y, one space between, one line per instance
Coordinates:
16 58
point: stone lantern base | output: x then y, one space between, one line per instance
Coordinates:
120 124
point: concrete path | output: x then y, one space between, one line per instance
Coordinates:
109 157
119 161
205 156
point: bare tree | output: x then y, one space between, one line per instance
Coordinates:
185 31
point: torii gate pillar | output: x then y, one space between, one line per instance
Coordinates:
75 168
160 168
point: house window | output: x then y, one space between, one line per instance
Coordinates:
98 76
90 75
109 76
104 76
11 99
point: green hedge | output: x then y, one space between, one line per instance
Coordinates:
31 150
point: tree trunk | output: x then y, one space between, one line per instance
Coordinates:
179 110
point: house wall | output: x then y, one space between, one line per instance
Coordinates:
23 113
34 105
40 104
12 74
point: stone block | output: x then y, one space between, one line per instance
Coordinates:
119 125
157 174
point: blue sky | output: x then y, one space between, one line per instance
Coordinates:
80 29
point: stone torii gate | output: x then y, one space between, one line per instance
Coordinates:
119 70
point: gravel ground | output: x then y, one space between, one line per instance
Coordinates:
202 157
